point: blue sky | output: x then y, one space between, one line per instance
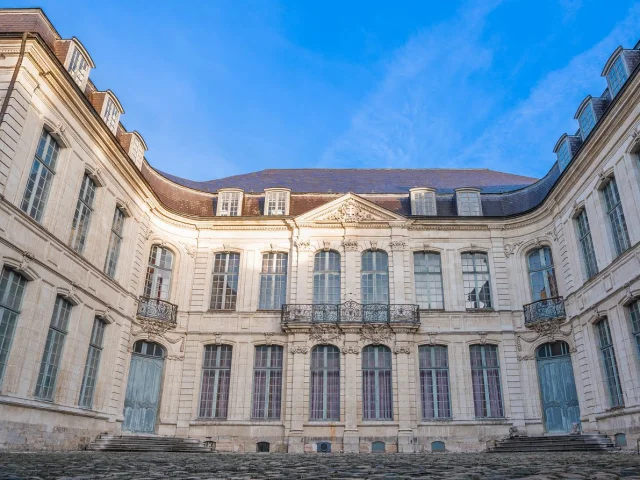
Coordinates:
228 87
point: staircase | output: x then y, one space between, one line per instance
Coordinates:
146 443
592 442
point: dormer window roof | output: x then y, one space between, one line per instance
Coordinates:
111 109
137 147
276 201
618 68
586 117
468 202
423 201
565 148
229 202
78 62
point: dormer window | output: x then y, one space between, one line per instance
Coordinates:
229 203
78 67
617 75
423 201
276 202
111 115
565 148
136 151
468 200
564 155
587 120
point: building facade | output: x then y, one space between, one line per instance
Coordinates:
306 310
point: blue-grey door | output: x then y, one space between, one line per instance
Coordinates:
143 393
560 405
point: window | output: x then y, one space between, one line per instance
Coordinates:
53 349
375 277
149 349
216 372
427 269
469 203
587 120
224 286
434 382
11 293
326 278
564 155
325 383
541 274
377 392
485 377
275 202
78 67
92 364
273 281
634 313
475 277
136 150
159 269
609 363
40 177
115 241
82 217
617 76
617 223
111 115
267 382
423 202
229 204
586 245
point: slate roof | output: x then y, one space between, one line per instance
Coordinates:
379 180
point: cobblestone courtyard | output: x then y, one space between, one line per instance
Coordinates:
85 465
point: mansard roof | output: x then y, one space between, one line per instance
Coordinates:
366 180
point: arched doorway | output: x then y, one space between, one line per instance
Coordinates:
560 407
143 388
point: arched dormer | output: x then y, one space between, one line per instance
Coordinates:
589 112
108 107
76 60
134 145
618 68
565 149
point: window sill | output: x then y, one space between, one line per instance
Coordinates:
479 310
220 311
269 311
377 423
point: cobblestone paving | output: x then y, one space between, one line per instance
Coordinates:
139 466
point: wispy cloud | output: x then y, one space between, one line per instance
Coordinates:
436 106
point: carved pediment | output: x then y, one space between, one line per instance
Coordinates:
350 209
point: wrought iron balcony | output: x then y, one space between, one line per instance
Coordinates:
350 312
545 309
156 309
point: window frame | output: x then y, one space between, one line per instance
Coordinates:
633 309
435 394
463 205
111 113
486 391
431 305
233 199
221 379
617 225
609 363
151 278
276 201
377 370
375 297
41 176
620 80
423 201
81 74
274 281
329 398
92 364
269 370
11 281
83 214
476 273
330 278
590 119
116 238
585 242
544 270
229 279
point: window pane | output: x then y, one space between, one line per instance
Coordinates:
617 223
586 245
273 281
587 120
377 390
326 278
428 280
434 382
92 364
40 177
325 383
11 292
617 76
541 274
609 364
224 287
158 278
82 216
476 280
115 241
374 281
485 376
267 382
216 374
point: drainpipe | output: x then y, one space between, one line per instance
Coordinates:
12 83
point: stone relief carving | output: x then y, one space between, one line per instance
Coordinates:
303 244
374 244
398 244
376 334
326 246
324 334
402 349
154 328
190 249
26 258
550 330
350 245
268 338
178 358
432 338
350 349
300 349
483 337
350 212
509 248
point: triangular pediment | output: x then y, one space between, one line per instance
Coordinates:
350 208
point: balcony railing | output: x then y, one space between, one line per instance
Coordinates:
157 309
350 312
546 309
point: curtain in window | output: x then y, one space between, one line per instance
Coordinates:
485 376
325 383
377 390
216 374
267 382
12 287
434 382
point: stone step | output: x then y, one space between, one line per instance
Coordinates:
146 443
556 443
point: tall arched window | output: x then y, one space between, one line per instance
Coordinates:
216 372
427 269
475 276
159 270
40 177
273 281
485 376
375 277
326 278
224 283
609 363
434 382
267 382
12 287
541 274
377 391
325 383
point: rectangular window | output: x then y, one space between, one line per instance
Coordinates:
224 286
325 383
617 76
111 115
273 281
53 350
78 67
276 203
564 155
82 216
434 382
267 382
115 241
423 203
587 120
586 245
229 204
216 373
468 204
92 364
634 312
428 272
476 280
485 377
609 363
11 292
617 223
40 177
377 389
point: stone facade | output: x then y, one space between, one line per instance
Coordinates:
42 95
